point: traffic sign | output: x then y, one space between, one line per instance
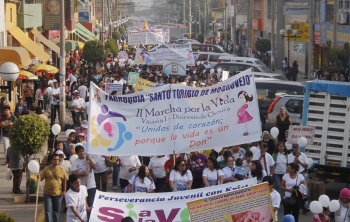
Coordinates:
303 29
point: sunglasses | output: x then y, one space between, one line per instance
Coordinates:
182 164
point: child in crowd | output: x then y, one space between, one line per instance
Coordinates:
248 161
239 172
342 214
275 196
322 217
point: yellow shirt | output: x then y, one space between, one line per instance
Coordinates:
53 186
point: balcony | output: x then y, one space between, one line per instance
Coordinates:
29 16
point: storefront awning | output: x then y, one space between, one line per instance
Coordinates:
27 43
17 55
82 37
46 42
81 30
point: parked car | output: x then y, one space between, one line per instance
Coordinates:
181 41
228 59
268 91
211 57
207 48
293 105
269 76
233 67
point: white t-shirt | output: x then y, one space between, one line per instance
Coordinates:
52 92
83 91
276 201
77 199
302 158
127 163
39 94
281 164
212 176
156 164
344 212
227 172
100 163
290 183
66 166
86 106
72 78
269 161
80 166
180 182
247 166
258 181
142 187
79 103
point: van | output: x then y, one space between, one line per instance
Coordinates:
233 67
266 93
227 59
211 57
207 48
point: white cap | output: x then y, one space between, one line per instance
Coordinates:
54 80
60 152
49 82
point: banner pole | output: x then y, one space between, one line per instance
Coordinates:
174 157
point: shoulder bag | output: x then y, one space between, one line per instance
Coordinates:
292 200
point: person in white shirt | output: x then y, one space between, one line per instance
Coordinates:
281 161
78 107
83 90
40 97
180 177
55 100
228 170
247 163
100 173
76 201
212 175
206 65
84 167
257 171
265 159
343 213
72 78
128 166
157 171
141 182
47 96
301 160
275 196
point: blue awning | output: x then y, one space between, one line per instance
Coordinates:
335 88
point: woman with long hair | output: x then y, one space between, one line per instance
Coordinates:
58 146
257 171
142 182
281 160
72 139
290 184
212 175
228 169
180 177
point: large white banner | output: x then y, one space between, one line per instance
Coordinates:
174 117
153 36
156 207
156 55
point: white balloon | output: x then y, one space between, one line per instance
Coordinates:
324 200
56 129
288 146
254 149
202 62
311 162
302 141
73 157
274 132
8 174
33 166
219 70
198 63
212 71
334 205
316 207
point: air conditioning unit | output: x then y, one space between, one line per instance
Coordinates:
342 18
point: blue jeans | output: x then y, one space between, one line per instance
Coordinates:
277 181
90 198
52 205
115 174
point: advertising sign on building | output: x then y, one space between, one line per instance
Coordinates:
84 13
51 16
303 32
296 10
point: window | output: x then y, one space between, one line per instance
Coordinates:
299 47
269 9
340 6
214 58
330 13
294 106
257 9
317 14
202 57
347 4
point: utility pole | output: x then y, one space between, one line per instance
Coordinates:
273 5
62 105
199 18
190 18
225 26
311 40
184 11
109 19
249 28
233 27
335 24
205 18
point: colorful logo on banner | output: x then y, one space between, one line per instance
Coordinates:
110 87
123 55
174 67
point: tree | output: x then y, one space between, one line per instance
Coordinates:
28 134
93 51
263 45
5 218
121 29
110 47
337 58
116 35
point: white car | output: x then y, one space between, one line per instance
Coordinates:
268 76
181 41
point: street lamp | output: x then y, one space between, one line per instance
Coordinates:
295 33
9 72
98 30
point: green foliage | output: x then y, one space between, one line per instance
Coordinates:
29 133
347 47
93 51
333 56
116 35
110 47
263 45
121 29
5 218
200 38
